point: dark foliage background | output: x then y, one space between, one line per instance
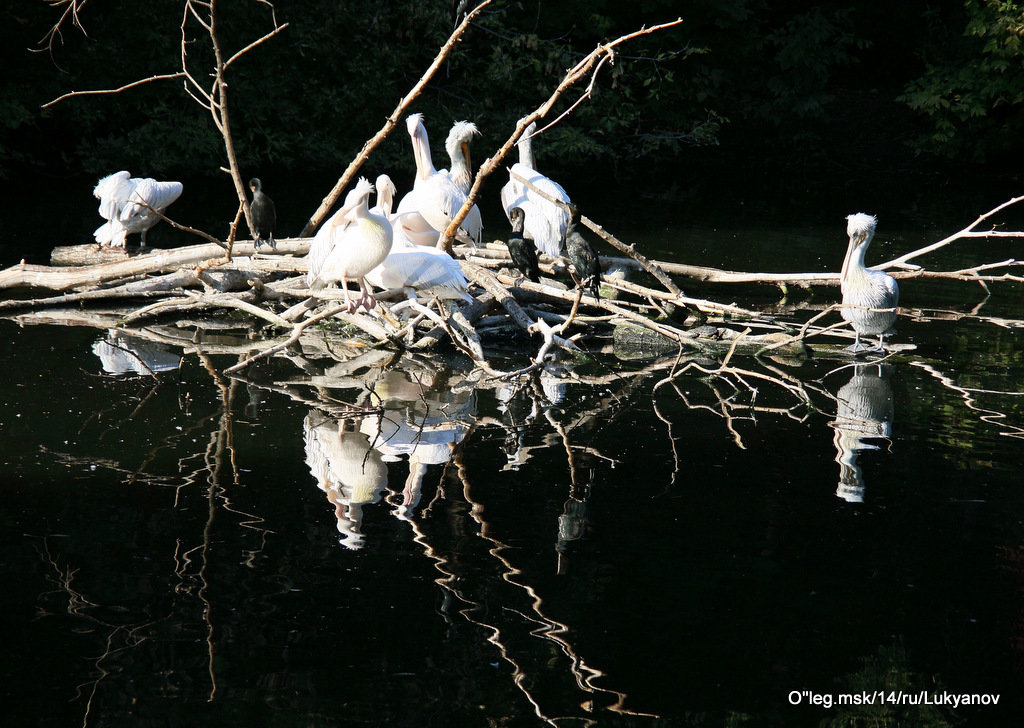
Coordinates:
828 85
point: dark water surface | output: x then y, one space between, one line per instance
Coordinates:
597 547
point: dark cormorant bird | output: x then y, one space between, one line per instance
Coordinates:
264 214
522 250
583 258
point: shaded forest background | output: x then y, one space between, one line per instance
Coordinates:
822 87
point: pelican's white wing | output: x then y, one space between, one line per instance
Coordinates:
135 215
424 269
545 222
111 233
158 195
441 198
411 226
113 191
329 233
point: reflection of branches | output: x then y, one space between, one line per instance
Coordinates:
989 416
80 606
550 629
737 379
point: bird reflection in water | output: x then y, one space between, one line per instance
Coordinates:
120 354
423 420
347 469
864 413
422 425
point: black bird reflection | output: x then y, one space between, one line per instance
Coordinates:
864 413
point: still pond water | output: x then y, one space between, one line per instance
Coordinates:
597 546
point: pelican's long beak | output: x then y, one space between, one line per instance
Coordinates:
420 145
854 242
465 153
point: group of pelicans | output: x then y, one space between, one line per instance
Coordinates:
391 248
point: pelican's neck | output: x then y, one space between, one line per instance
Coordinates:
460 171
362 208
525 145
385 199
376 226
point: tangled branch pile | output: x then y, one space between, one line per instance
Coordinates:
650 315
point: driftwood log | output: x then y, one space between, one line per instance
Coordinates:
268 287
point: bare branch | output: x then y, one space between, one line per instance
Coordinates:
965 233
255 43
71 11
98 92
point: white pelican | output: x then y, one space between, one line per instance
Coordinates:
545 221
349 471
864 412
121 199
121 354
865 291
582 256
351 244
437 196
416 267
264 214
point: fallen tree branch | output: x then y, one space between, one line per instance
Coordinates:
61 278
487 280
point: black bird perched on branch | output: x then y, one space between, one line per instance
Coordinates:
582 256
264 214
522 249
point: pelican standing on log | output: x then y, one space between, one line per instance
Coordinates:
437 196
545 221
125 203
352 243
870 296
264 214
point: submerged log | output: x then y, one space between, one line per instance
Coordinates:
633 341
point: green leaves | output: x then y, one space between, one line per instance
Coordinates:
973 93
